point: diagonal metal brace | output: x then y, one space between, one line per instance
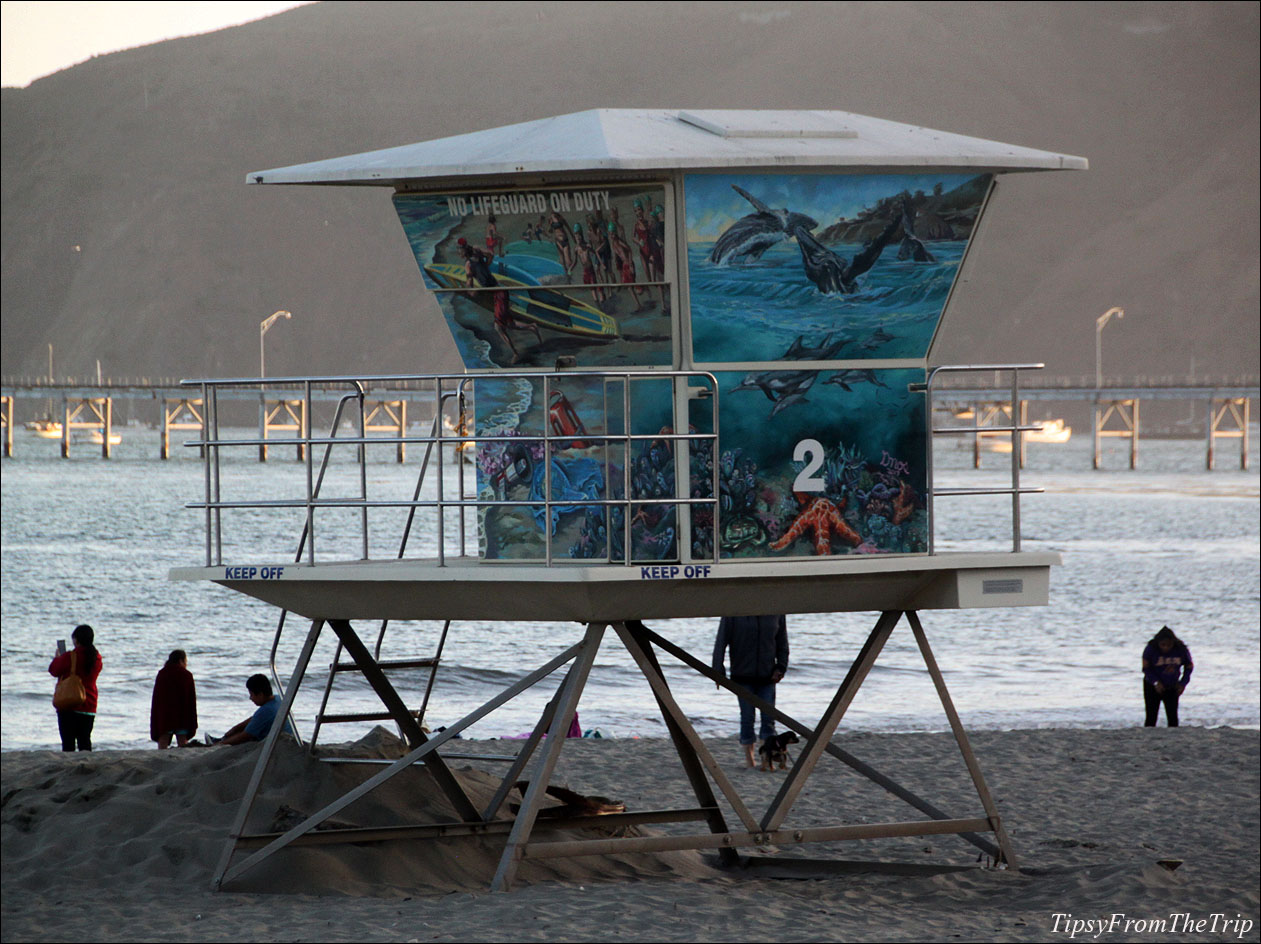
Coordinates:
398 709
403 763
821 735
844 756
666 699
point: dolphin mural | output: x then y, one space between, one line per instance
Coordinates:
784 388
844 378
826 350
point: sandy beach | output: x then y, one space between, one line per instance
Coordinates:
121 846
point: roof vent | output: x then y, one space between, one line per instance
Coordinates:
768 124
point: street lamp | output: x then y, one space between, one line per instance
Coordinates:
263 327
1099 323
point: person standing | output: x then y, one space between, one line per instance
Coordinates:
174 708
1167 669
759 659
75 724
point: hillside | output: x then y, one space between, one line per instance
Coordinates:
129 235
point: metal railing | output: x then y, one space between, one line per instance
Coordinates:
617 435
617 389
1015 490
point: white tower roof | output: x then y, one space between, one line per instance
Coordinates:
635 139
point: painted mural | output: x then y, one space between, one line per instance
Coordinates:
517 472
527 277
840 469
798 284
574 277
860 265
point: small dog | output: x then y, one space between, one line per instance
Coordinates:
775 750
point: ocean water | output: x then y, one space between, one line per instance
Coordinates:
84 540
901 299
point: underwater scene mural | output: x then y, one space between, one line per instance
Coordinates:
865 260
575 467
526 277
842 473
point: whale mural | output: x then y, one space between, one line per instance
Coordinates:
870 259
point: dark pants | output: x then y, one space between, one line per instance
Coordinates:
1152 700
76 730
766 692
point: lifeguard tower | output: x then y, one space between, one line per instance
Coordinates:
696 384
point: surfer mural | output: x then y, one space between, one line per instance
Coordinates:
858 256
526 277
530 279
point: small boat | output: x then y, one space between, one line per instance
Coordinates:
45 428
528 299
1052 431
98 436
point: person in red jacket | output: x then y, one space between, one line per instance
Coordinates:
76 725
174 708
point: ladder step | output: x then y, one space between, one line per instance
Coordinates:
386 664
368 716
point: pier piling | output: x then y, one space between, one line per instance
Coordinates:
1236 409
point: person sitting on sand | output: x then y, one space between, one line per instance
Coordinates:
1167 669
255 728
174 708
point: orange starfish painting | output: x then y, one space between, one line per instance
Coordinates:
903 504
824 518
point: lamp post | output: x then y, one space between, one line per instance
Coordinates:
1099 323
263 327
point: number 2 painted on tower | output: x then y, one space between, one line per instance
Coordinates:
809 451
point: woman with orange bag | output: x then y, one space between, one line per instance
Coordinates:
75 723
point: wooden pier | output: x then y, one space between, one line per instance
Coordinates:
87 409
1115 411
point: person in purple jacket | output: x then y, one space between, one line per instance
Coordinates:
1167 669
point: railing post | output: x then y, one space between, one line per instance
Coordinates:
1210 428
402 430
1243 443
976 436
65 427
108 428
8 427
164 440
1134 434
262 424
1018 447
1094 429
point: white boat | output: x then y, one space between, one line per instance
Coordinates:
98 436
45 428
1052 431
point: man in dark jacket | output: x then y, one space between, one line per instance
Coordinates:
759 659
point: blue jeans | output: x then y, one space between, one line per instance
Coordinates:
766 692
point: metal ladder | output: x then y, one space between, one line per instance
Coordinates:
337 666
